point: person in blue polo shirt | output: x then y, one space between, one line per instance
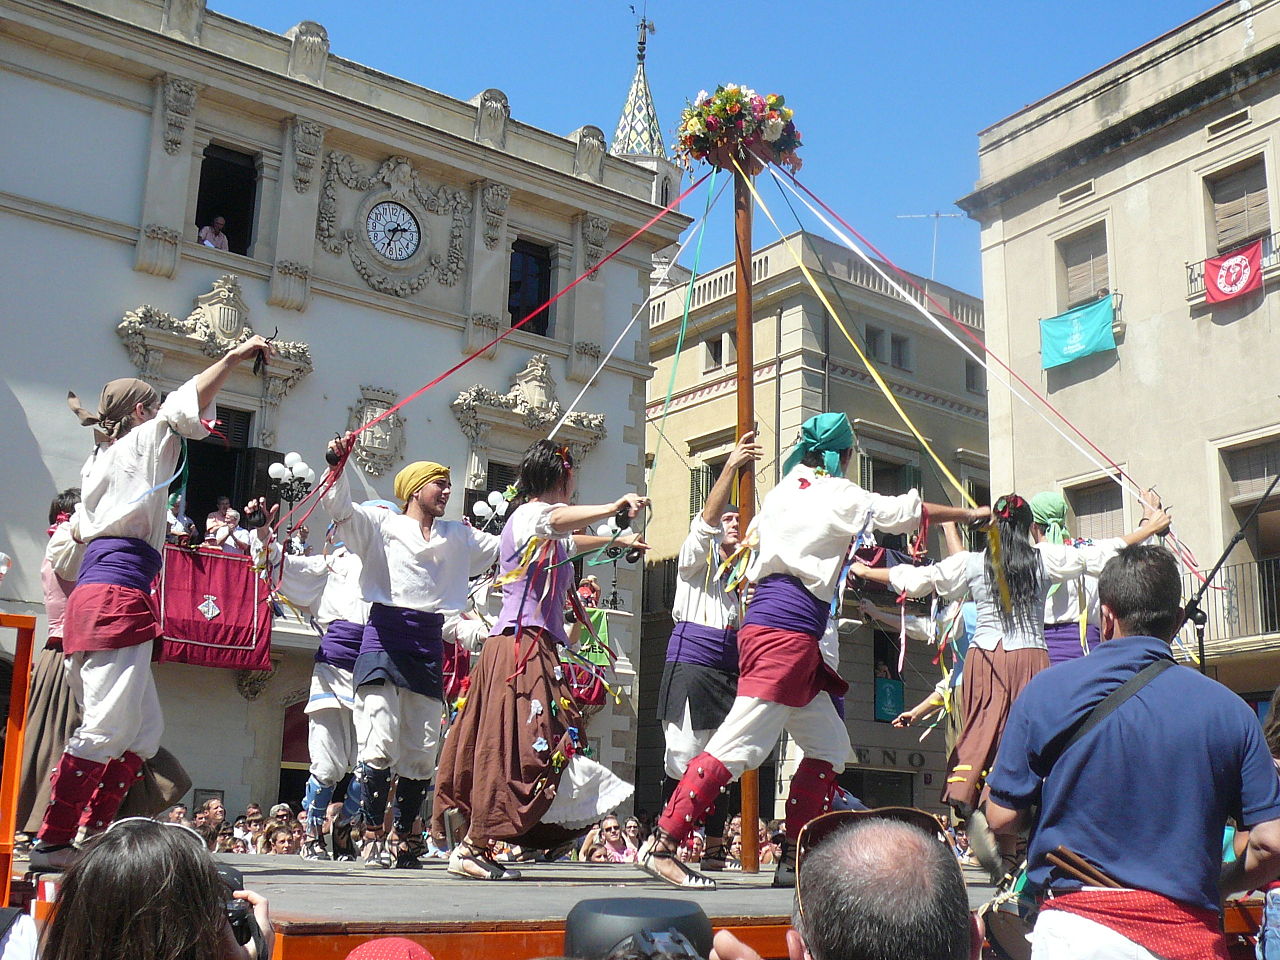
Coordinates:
1142 797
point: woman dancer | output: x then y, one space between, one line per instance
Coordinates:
1008 582
1069 631
513 765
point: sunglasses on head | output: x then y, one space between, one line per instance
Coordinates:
820 828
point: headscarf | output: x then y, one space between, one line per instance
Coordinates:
826 433
1049 510
119 397
413 477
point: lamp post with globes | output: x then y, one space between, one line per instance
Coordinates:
615 552
292 478
491 509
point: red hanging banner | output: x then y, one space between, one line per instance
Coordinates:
1233 274
215 611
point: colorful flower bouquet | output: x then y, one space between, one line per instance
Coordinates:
736 123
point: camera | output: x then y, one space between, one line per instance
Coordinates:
240 917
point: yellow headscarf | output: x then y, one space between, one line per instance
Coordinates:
412 478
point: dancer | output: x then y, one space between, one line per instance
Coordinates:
1007 647
700 677
514 764
804 531
111 619
414 573
1072 617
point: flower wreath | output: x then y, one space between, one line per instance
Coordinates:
733 123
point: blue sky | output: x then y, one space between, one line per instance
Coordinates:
889 96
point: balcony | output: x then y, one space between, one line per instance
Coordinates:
1244 616
1270 268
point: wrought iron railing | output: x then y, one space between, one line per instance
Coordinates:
1246 605
1270 258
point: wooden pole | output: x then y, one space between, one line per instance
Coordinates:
750 781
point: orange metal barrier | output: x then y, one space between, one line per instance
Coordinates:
11 774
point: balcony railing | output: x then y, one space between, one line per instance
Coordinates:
1270 260
1246 608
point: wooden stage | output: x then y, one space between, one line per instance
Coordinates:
323 910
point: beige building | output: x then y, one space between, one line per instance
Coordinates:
1124 182
804 366
379 229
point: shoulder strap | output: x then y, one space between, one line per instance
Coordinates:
1115 698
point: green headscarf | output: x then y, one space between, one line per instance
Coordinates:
829 434
1050 511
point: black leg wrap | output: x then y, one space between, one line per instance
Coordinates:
409 797
373 804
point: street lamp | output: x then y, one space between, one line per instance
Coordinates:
615 552
291 479
491 509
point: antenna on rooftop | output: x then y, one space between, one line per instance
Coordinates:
935 217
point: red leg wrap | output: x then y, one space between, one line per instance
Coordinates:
74 781
112 787
812 788
695 797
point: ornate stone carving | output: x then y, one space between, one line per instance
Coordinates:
183 19
494 197
219 321
157 252
382 445
595 231
481 329
583 360
290 284
179 106
492 113
531 401
400 181
251 684
588 157
309 53
308 138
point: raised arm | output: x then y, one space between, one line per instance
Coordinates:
566 519
745 451
211 379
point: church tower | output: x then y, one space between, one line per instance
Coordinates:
639 135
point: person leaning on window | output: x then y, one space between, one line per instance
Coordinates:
148 889
212 235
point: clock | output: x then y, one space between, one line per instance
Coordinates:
393 230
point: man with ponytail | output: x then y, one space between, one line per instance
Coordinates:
111 622
1009 582
414 572
800 539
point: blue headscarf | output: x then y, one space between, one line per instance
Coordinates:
829 434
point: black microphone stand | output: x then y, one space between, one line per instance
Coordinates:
1193 611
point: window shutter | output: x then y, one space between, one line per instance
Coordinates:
1085 258
913 477
1251 469
1099 511
235 425
1240 209
700 480
866 473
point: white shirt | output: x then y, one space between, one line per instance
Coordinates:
701 596
117 474
965 572
1063 605
533 519
807 522
400 567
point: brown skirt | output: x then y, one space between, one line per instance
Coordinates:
52 717
497 765
992 681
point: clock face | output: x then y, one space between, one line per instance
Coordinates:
393 230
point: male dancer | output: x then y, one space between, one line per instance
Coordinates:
111 620
414 573
700 678
805 529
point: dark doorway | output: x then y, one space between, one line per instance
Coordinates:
880 788
228 189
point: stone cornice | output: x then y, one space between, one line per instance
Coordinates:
152 52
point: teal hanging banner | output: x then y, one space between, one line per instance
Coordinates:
1077 333
889 699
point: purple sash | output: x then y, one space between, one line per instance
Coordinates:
1063 640
123 561
704 646
340 644
780 600
402 647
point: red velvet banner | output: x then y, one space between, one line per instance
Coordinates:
215 611
1233 274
